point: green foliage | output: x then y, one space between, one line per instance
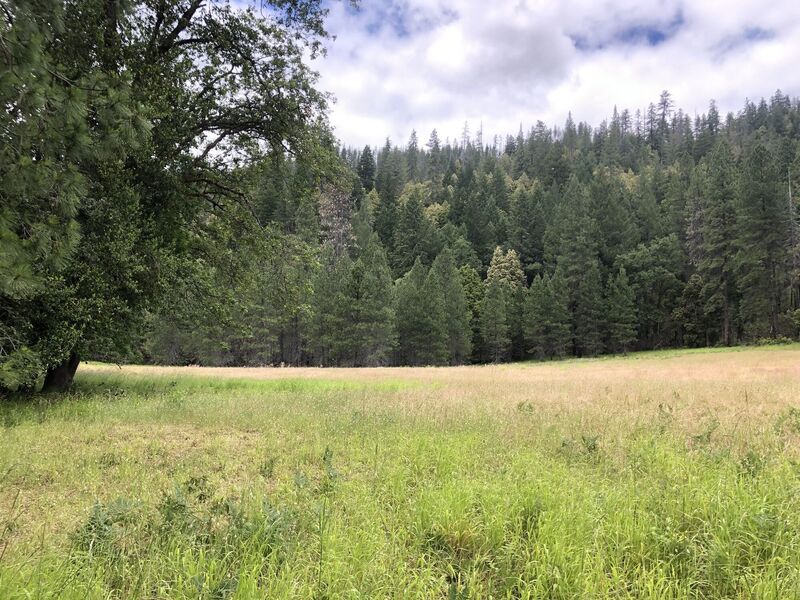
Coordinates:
716 261
365 334
61 167
366 169
172 193
99 229
494 321
456 311
414 235
547 318
763 231
421 320
621 311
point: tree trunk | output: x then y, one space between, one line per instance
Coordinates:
59 378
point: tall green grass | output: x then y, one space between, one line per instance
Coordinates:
205 488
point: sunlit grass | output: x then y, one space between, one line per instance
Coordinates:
632 477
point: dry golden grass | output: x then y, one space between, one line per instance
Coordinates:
740 388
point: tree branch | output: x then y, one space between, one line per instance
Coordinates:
180 27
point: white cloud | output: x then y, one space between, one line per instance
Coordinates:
398 65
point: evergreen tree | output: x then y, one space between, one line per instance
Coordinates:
763 221
589 313
691 315
366 169
437 349
718 241
473 294
362 228
412 157
494 321
578 265
328 307
615 229
547 318
535 327
506 269
389 185
456 312
654 271
621 313
414 235
367 335
421 329
557 317
527 225
59 147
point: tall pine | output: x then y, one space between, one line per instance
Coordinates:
457 315
763 223
494 322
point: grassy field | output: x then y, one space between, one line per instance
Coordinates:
660 475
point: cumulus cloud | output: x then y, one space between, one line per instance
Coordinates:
398 65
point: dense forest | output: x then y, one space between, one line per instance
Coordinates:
172 193
652 230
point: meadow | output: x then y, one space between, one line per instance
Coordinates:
657 475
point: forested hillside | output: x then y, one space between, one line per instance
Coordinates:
651 230
172 193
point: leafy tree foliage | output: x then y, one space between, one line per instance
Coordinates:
128 139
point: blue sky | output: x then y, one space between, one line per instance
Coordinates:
398 65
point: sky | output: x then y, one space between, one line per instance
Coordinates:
402 65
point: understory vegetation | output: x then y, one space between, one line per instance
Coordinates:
661 475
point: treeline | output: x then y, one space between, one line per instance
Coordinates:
652 230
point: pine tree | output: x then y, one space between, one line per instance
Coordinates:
589 313
718 241
690 313
527 225
59 145
794 238
389 184
621 313
367 336
420 318
473 294
328 307
494 322
414 235
366 169
535 327
435 167
547 318
507 270
577 263
412 156
763 222
362 228
615 228
558 333
456 312
436 351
